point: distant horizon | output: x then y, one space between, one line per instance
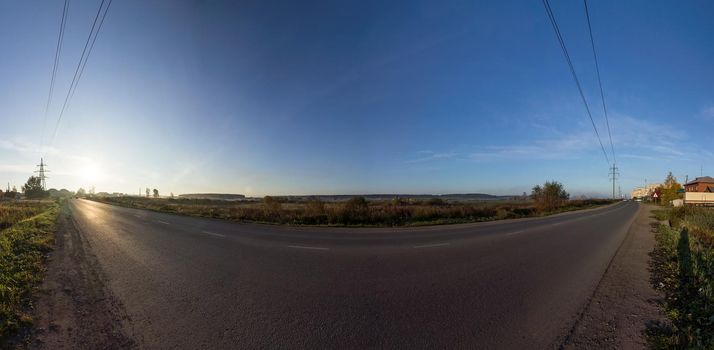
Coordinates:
162 194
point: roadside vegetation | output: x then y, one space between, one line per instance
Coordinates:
26 236
547 199
683 269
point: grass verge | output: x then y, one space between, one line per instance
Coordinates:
683 269
24 244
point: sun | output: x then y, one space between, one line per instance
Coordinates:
90 173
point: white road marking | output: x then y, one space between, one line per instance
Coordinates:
138 216
307 247
431 245
163 222
214 234
515 232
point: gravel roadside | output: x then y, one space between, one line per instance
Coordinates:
624 302
74 310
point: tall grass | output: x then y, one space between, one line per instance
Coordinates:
354 212
12 212
23 245
684 271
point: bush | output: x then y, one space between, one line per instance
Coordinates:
550 196
436 202
271 207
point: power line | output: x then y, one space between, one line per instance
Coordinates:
599 80
82 61
553 22
81 70
58 50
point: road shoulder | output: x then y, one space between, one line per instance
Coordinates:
74 309
624 302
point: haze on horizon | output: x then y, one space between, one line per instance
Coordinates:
265 97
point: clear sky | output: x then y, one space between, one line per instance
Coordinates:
300 97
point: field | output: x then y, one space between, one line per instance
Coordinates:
26 235
13 212
353 212
683 269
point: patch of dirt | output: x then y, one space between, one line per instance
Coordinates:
624 304
74 309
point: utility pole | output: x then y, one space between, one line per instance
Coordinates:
42 172
613 176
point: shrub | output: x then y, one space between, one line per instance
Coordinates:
550 196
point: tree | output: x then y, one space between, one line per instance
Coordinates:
147 192
550 196
156 193
33 188
81 192
670 189
12 193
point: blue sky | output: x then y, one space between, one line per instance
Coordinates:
356 97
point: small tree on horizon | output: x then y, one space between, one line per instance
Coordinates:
550 196
33 188
156 193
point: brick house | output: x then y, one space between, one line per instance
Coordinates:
700 184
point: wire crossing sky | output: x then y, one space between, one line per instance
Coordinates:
82 63
599 82
54 69
561 41
319 97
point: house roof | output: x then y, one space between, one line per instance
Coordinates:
703 179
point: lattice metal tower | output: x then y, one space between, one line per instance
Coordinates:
42 172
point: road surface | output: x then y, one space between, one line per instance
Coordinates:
202 283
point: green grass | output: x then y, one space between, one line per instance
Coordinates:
12 212
355 212
24 243
683 269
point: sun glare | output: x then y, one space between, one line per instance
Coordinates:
90 173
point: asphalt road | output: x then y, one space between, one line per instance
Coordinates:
201 283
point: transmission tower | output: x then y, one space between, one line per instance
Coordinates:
42 172
613 177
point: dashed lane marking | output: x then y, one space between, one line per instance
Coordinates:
214 234
163 222
431 245
307 247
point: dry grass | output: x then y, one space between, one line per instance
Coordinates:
355 212
15 211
